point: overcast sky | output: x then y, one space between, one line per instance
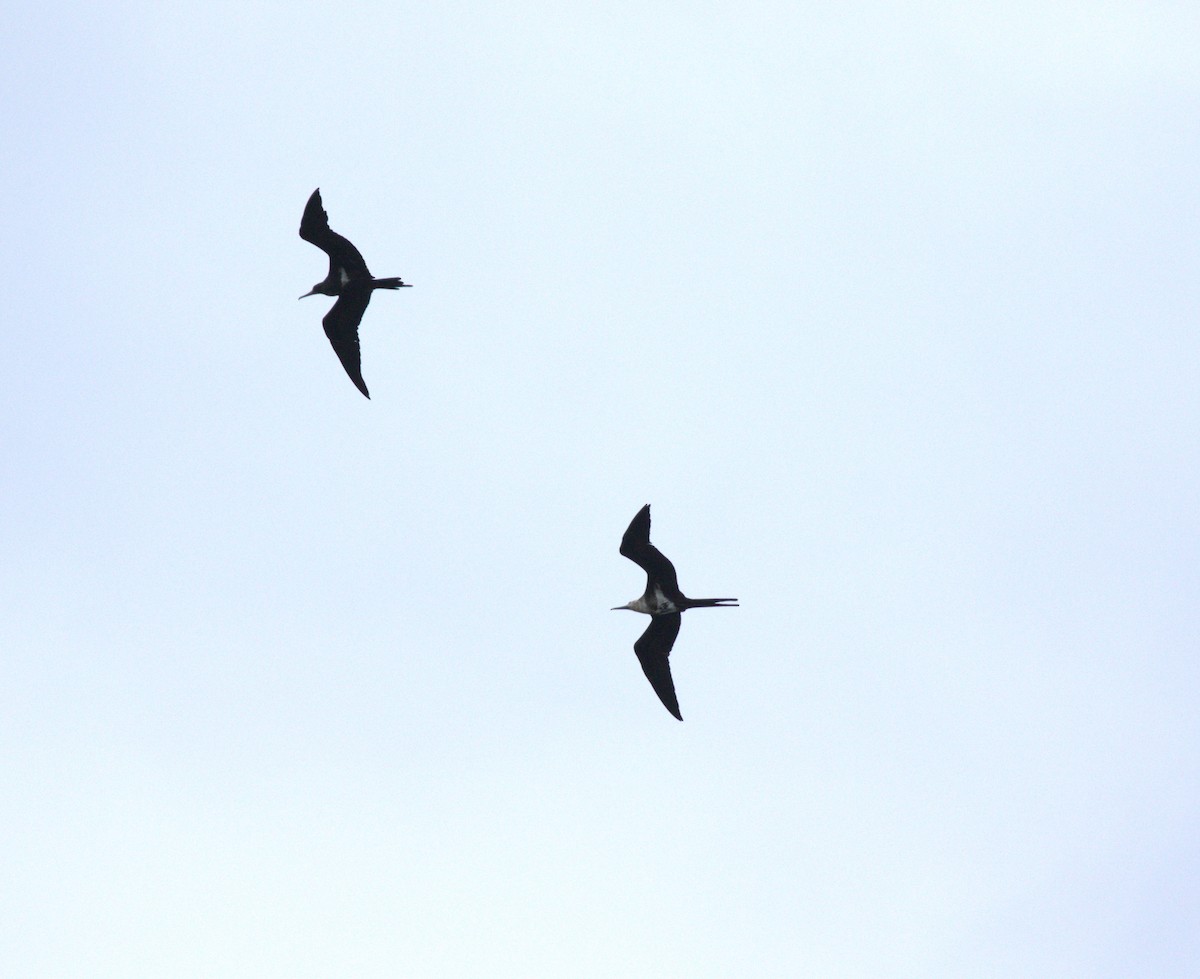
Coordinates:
889 310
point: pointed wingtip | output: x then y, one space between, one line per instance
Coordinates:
357 380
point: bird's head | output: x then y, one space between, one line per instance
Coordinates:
318 288
631 606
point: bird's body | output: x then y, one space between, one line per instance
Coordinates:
349 279
664 603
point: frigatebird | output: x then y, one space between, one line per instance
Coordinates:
349 279
664 603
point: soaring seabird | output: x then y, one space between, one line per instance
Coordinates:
664 603
349 279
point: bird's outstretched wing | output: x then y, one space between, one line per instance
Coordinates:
314 227
636 546
653 650
341 326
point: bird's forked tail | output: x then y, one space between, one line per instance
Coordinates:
712 603
393 283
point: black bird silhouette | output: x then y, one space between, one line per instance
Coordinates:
664 603
349 279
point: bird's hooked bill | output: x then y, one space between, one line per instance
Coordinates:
311 292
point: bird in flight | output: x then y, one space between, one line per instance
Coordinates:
664 603
349 279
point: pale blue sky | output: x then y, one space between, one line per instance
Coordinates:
890 312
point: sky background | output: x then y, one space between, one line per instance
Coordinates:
889 310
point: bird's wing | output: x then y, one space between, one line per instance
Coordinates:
314 227
341 326
653 650
636 546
